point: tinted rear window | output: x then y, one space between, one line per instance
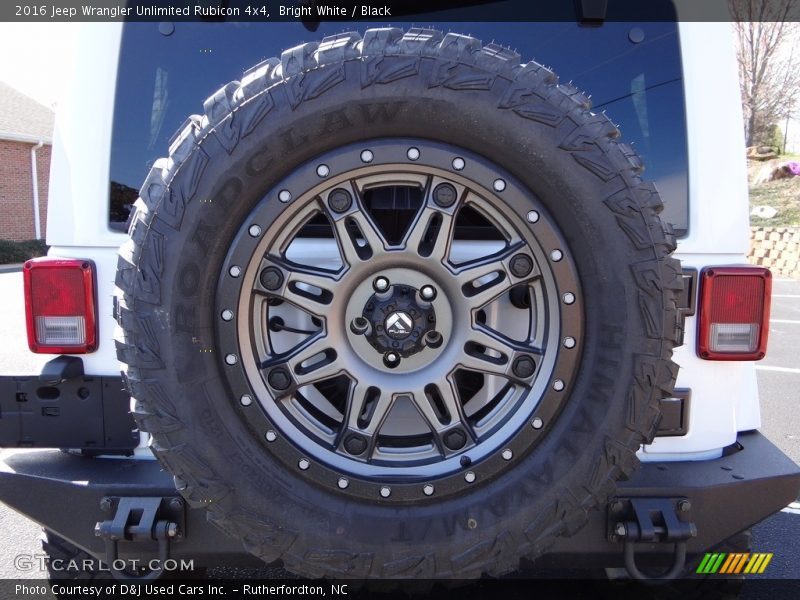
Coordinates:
632 72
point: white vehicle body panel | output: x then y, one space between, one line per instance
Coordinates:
724 394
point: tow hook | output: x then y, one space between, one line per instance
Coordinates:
140 519
651 520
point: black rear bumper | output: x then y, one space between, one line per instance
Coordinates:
64 493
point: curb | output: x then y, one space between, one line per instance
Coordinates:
11 268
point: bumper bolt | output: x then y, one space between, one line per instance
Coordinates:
445 195
523 367
176 504
279 379
105 504
172 530
359 326
433 339
271 278
381 284
340 200
684 506
620 529
521 265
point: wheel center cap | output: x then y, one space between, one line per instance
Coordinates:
399 325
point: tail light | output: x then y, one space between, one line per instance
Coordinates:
60 305
734 313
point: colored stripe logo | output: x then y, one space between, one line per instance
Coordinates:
734 563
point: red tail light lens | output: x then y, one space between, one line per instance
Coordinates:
60 305
734 313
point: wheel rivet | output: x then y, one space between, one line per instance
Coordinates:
413 153
433 339
271 436
340 200
246 400
343 482
521 265
428 490
499 185
458 163
284 195
303 464
381 284
533 216
359 326
367 156
386 492
231 359
271 278
524 366
556 255
445 195
569 298
254 231
279 379
428 292
507 454
558 385
323 170
537 423
235 271
569 342
469 477
227 314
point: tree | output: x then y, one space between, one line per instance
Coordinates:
767 47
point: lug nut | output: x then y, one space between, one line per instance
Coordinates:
523 367
359 326
381 284
340 200
391 359
355 445
428 292
271 278
433 339
445 195
279 379
521 265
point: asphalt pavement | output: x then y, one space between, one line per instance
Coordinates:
778 381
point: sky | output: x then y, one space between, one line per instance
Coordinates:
37 58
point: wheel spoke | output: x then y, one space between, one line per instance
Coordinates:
303 286
485 279
439 405
431 233
326 366
483 347
367 407
357 236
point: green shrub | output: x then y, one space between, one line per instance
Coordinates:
17 252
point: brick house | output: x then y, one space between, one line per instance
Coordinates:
26 134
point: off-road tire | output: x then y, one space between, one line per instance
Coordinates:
416 84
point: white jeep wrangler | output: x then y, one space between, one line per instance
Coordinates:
396 303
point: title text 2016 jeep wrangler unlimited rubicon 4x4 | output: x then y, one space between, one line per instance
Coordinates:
397 303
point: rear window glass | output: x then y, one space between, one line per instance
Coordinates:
631 70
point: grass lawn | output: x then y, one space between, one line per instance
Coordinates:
782 195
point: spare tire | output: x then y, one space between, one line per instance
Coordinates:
398 306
